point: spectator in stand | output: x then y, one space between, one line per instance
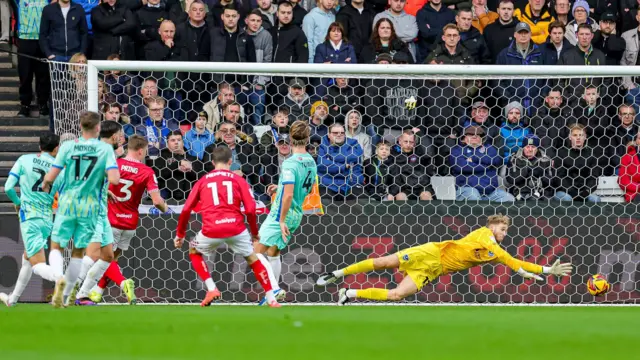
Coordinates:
376 173
621 133
584 54
155 128
580 13
195 42
480 118
475 166
62 35
114 30
176 170
231 113
482 17
629 177
593 116
268 11
113 112
198 138
278 127
514 130
557 44
561 11
355 130
5 23
319 115
550 120
628 15
215 15
298 13
630 57
164 48
180 12
410 170
245 160
231 44
607 41
383 41
214 108
316 24
118 82
297 99
340 165
405 24
263 43
343 97
499 34
271 164
137 108
471 38
30 14
537 15
336 48
413 6
577 168
357 21
431 19
150 18
530 174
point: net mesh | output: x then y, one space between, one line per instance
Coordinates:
461 149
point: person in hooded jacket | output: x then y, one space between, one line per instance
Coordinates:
355 130
376 173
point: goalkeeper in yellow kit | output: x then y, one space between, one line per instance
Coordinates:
423 264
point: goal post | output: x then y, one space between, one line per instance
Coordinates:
439 104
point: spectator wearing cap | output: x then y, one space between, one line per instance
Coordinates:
376 173
583 54
355 130
272 163
344 95
431 20
530 174
319 115
383 40
557 44
298 100
629 176
475 165
279 126
340 165
316 23
410 170
384 59
499 34
471 38
522 51
537 15
480 117
404 23
482 16
607 41
581 12
622 131
198 138
514 130
577 168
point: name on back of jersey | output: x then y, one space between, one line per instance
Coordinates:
128 168
42 162
85 148
219 173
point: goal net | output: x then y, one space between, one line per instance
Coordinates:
421 153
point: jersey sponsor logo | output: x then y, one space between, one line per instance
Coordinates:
225 221
124 216
131 169
405 257
491 254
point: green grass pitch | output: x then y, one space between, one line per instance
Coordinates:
322 332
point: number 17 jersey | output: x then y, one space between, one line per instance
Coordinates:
300 170
86 162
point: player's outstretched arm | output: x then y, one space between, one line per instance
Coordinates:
530 270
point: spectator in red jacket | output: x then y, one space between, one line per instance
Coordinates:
629 177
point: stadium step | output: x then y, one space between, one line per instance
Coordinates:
10 81
23 131
6 208
19 121
4 171
9 157
8 72
23 144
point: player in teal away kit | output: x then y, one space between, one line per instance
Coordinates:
88 164
36 215
297 176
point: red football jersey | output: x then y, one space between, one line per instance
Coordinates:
135 177
219 196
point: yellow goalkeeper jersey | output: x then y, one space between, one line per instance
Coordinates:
477 248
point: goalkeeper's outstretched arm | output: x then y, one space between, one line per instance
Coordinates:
530 270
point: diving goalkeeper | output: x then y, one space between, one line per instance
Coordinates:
423 264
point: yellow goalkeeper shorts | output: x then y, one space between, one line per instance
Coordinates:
421 263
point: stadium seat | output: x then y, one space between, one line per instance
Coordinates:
609 190
445 187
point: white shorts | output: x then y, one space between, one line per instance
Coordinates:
122 239
239 244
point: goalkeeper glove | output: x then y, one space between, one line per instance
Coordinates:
558 269
527 275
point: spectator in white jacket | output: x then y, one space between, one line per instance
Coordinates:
405 24
316 24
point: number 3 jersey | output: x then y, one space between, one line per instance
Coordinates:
30 171
135 178
300 170
86 162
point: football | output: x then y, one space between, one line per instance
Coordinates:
598 285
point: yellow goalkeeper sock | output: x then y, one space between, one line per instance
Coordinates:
372 294
359 267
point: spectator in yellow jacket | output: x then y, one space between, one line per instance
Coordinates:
481 15
537 15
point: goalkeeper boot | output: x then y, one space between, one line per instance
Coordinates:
342 297
56 301
95 296
5 299
279 294
211 295
326 279
129 289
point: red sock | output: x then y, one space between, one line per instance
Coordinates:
104 282
113 272
200 266
261 274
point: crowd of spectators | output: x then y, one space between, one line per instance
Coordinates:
502 140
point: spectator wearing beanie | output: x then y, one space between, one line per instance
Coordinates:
514 130
530 172
580 11
319 114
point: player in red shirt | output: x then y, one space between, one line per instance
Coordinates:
135 178
219 196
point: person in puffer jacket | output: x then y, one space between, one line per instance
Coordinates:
514 130
340 165
355 130
530 174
